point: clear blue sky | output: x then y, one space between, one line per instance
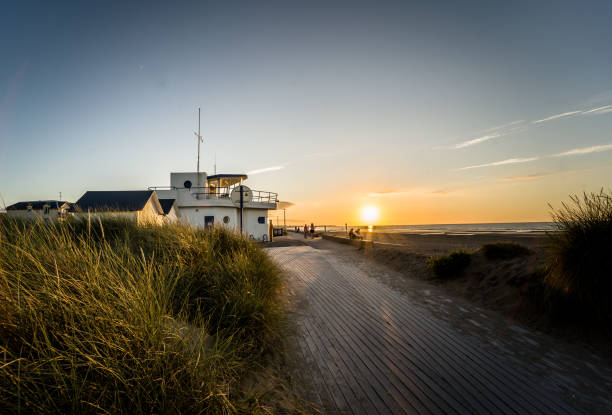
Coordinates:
393 104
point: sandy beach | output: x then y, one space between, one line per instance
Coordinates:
436 244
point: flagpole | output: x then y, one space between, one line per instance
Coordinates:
199 139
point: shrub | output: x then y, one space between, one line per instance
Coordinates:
117 318
580 260
504 250
450 265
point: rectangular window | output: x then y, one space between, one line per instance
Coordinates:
261 219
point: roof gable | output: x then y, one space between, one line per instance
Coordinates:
166 205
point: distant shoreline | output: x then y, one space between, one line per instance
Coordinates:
459 228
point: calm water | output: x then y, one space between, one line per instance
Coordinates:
516 227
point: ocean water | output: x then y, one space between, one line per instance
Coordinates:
513 227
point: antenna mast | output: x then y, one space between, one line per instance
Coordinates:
199 141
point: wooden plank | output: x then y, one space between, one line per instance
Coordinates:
458 351
366 339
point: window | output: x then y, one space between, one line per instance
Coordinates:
261 219
226 219
187 184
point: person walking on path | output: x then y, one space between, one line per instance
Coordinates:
305 231
312 230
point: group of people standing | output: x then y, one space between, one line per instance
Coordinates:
312 230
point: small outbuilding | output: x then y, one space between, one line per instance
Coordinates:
39 209
140 205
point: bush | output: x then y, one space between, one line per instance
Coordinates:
450 265
117 318
580 260
504 250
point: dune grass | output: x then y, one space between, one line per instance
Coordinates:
580 260
450 265
115 318
504 250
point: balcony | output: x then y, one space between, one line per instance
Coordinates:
223 193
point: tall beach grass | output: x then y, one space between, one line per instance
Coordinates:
110 317
580 266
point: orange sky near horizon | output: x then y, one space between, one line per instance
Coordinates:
523 199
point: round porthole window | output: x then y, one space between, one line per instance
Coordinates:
187 184
226 219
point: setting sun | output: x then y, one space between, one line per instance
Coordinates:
370 214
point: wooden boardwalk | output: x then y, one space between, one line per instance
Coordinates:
370 350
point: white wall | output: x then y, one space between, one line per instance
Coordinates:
195 216
172 215
33 214
252 226
184 196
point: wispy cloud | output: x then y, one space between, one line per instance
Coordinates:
527 176
568 153
492 133
553 173
477 140
501 163
600 110
584 150
521 125
593 111
557 116
504 126
265 170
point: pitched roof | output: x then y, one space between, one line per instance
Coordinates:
114 200
166 205
36 204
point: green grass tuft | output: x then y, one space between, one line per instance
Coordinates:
110 317
450 265
504 250
580 264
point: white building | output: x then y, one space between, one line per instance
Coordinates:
140 205
41 209
203 200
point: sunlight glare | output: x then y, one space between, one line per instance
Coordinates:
369 214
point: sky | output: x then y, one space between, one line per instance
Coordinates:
453 112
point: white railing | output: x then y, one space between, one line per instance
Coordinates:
259 196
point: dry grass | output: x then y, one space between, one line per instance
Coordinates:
115 318
450 265
504 250
580 266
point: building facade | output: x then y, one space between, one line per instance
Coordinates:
203 200
39 209
142 206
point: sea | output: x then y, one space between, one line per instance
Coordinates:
457 228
